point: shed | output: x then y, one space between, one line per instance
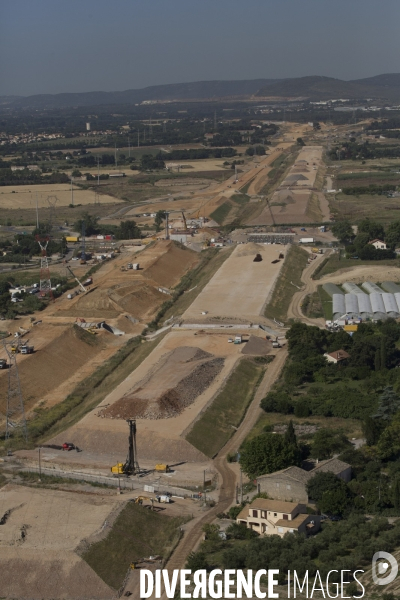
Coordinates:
364 306
391 287
351 304
338 306
352 288
370 287
389 301
378 308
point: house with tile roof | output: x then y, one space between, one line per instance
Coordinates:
274 517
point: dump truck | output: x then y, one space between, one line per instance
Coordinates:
25 349
162 468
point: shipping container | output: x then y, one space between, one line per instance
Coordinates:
71 238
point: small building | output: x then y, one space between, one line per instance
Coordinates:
337 356
274 517
378 244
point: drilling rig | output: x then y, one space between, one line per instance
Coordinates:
131 465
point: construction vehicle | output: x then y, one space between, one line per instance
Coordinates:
238 339
140 499
131 465
25 349
163 498
77 280
162 468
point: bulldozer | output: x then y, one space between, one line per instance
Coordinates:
131 465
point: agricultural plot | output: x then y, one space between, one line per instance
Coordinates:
24 196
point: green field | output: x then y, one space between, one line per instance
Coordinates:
137 532
220 214
217 424
292 269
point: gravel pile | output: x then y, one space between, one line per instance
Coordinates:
174 400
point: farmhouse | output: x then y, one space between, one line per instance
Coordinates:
290 484
273 517
378 244
336 356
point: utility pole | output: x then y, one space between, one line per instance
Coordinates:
98 171
72 192
37 213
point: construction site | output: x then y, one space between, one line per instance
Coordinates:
126 402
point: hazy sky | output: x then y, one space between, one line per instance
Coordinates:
51 46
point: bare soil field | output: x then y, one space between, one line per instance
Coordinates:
135 291
158 439
24 196
240 288
61 352
38 542
293 201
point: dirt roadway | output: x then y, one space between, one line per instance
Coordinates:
294 310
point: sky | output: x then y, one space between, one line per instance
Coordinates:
53 46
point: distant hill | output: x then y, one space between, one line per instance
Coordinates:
200 90
325 88
380 87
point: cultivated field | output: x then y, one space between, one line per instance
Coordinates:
24 196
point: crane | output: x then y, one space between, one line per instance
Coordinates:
75 277
184 220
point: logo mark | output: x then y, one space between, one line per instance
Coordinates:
386 560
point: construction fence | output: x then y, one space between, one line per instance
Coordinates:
155 486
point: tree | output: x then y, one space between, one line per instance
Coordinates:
159 218
300 141
389 404
331 494
267 453
128 230
374 229
290 435
388 447
250 151
326 443
343 231
196 561
372 429
90 222
396 493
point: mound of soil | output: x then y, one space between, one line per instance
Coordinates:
189 370
169 267
256 346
